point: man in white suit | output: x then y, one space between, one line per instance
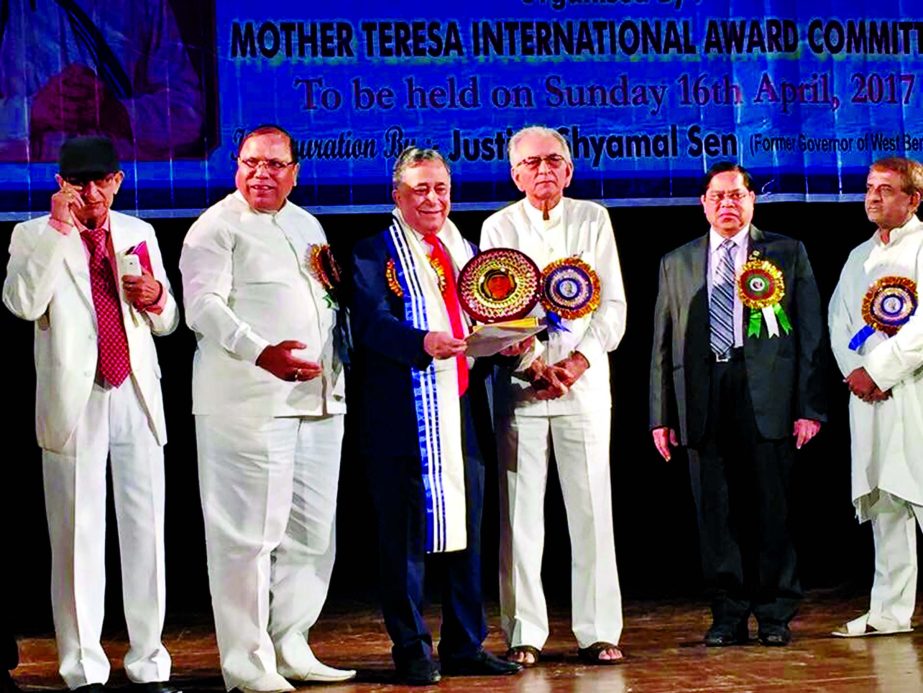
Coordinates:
93 282
268 398
559 396
885 376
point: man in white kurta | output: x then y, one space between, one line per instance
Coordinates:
885 376
268 397
98 400
577 421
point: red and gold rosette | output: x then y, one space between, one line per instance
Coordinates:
761 288
570 288
499 284
324 268
391 278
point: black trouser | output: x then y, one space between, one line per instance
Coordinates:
397 492
741 486
9 653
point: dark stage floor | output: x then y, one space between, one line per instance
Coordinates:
662 643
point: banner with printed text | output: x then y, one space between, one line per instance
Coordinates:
648 93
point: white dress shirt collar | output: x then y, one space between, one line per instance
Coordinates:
715 239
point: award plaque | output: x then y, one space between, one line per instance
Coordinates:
499 284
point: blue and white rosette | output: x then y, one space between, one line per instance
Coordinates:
570 290
887 306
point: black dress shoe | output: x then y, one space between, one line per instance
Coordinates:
7 684
725 635
90 688
154 687
480 664
418 672
778 636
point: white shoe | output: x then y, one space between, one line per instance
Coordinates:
269 682
318 672
861 628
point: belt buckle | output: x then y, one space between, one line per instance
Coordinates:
723 358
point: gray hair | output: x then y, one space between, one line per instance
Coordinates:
541 131
414 156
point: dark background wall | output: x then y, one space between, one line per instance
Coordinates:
654 522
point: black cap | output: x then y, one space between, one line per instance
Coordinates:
85 157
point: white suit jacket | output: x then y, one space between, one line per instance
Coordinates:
583 229
48 282
246 285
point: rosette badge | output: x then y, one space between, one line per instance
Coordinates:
499 284
761 287
887 306
324 268
570 289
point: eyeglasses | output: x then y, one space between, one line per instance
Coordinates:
272 165
551 160
716 196
78 183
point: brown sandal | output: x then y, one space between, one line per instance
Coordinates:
590 655
524 651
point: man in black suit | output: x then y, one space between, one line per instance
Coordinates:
417 414
737 369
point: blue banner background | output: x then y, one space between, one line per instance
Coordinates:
799 98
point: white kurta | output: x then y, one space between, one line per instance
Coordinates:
887 437
577 228
269 449
577 425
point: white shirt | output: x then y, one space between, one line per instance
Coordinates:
246 285
575 228
739 256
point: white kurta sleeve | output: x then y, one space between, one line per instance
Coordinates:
206 264
898 357
607 326
842 323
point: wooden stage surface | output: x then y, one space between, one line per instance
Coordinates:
662 643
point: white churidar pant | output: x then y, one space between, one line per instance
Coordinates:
894 589
581 446
269 491
113 425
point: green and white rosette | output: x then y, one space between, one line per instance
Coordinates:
761 288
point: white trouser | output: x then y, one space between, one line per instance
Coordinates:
581 447
269 490
894 589
114 425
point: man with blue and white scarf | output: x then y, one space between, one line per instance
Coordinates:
419 401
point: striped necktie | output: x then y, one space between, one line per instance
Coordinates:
721 305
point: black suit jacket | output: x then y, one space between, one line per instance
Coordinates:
785 373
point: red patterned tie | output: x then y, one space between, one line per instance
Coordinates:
450 296
114 364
